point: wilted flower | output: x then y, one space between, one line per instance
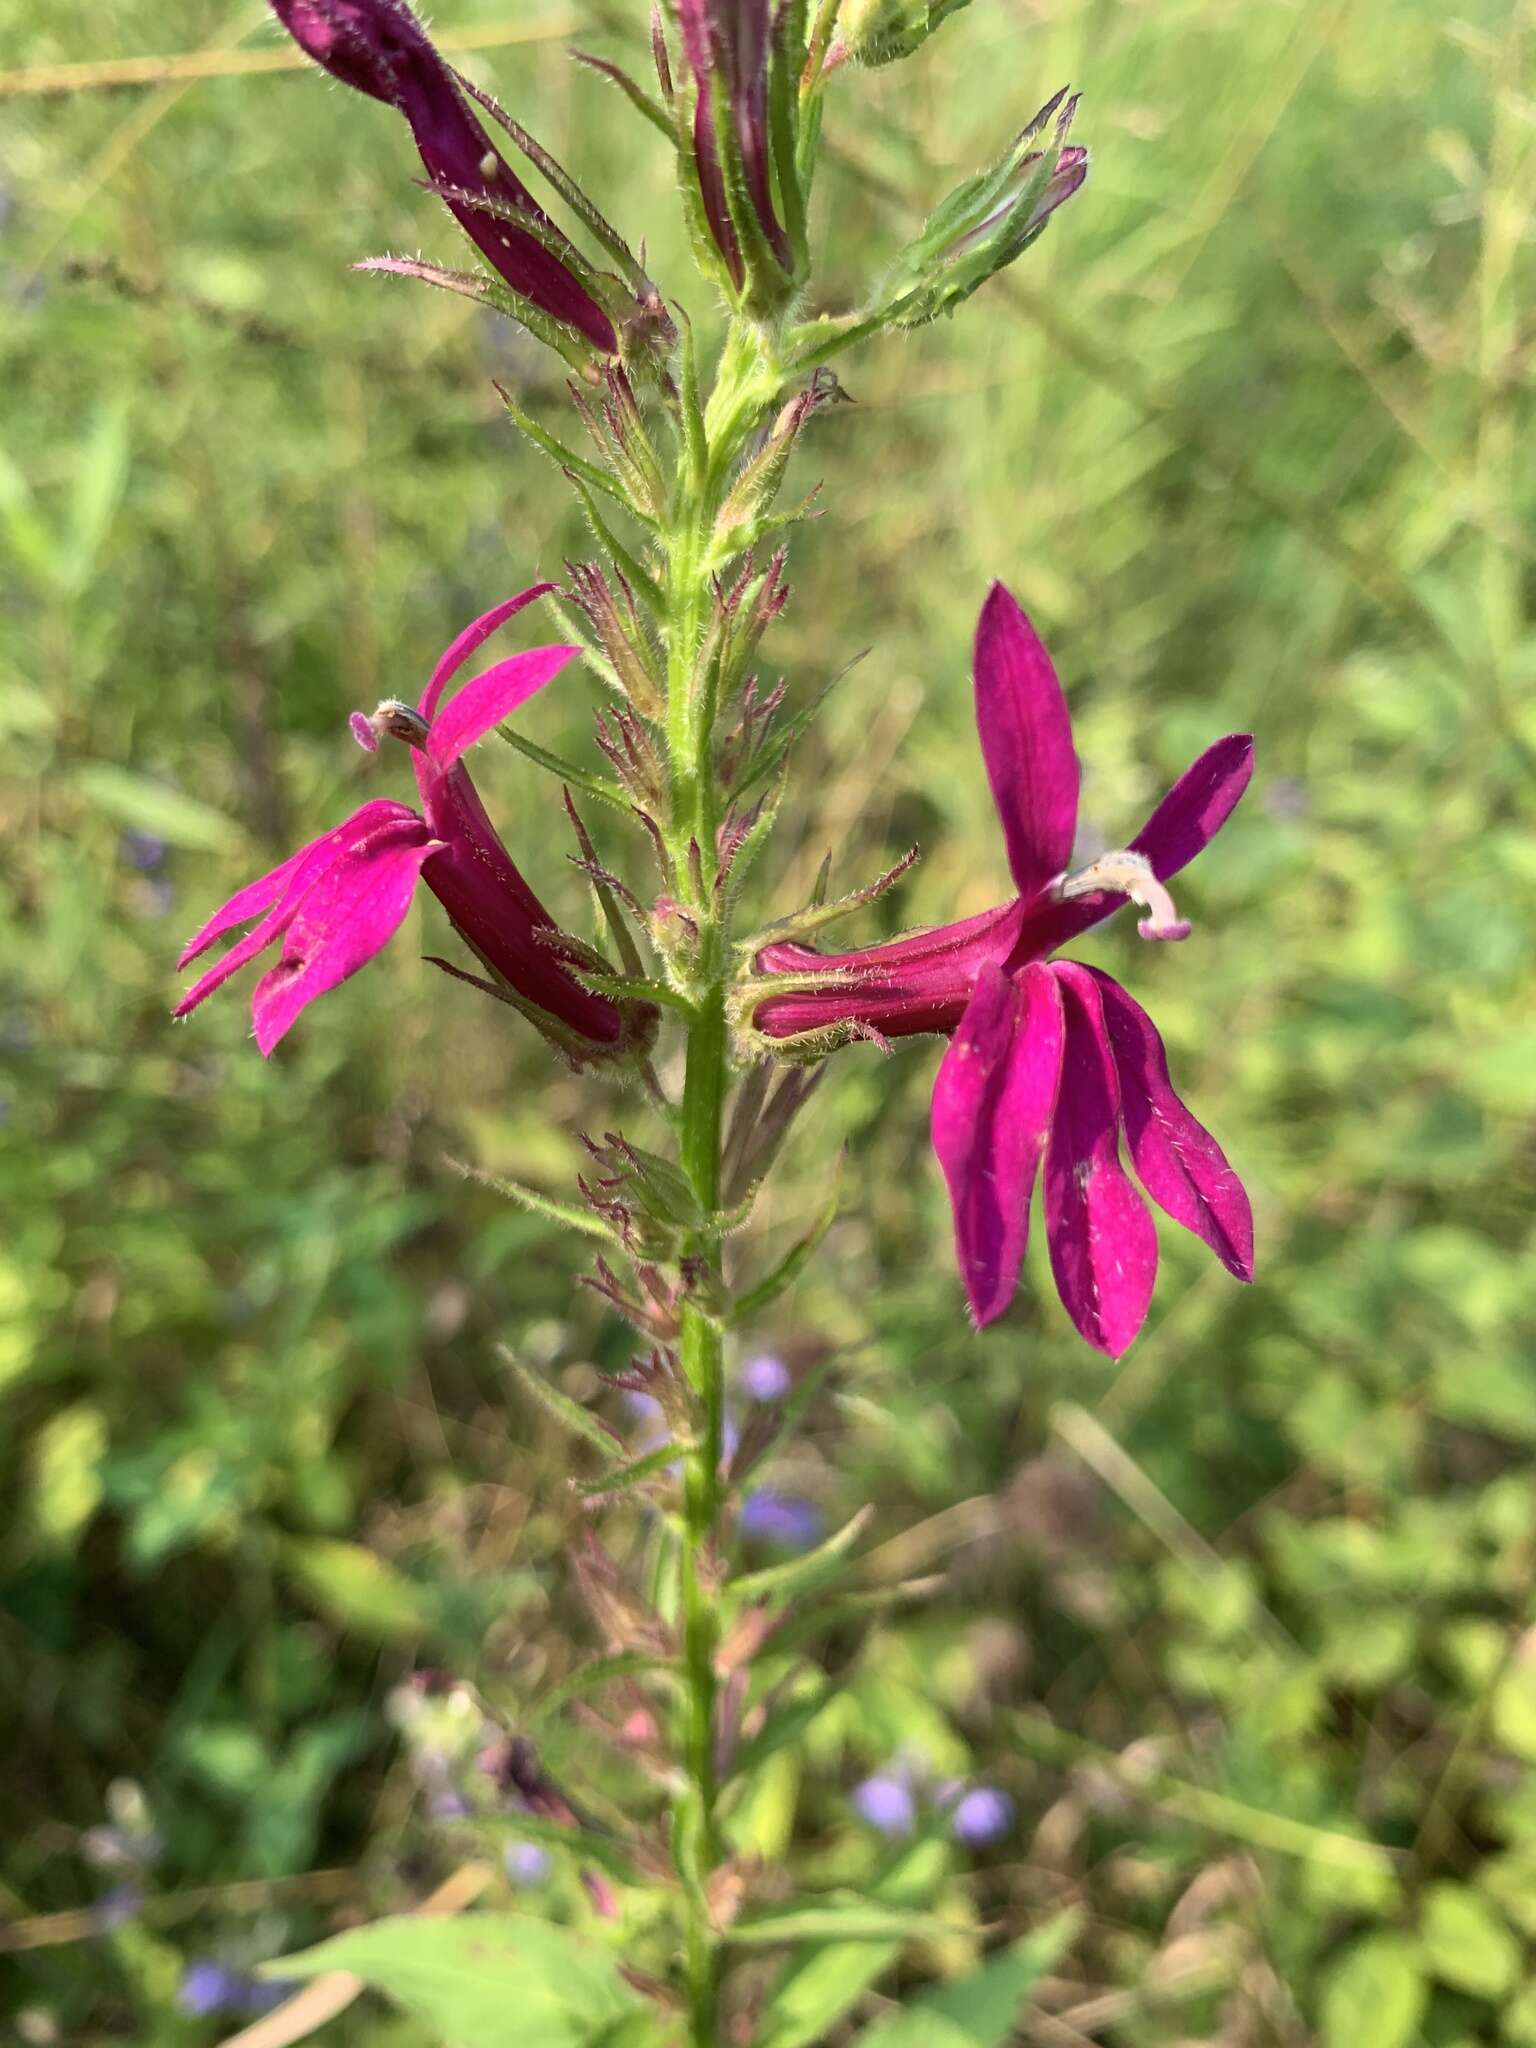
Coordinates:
336 901
379 48
1047 1061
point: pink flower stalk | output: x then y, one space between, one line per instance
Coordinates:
378 47
1049 1060
728 45
338 900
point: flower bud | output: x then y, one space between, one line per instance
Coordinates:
987 222
880 31
741 145
379 48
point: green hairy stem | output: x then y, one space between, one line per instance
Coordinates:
746 384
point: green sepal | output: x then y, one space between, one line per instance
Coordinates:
565 458
634 92
570 1414
569 1215
636 1472
775 748
584 779
641 578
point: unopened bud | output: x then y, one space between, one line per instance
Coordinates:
880 31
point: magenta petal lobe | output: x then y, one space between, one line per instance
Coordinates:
1102 1239
1026 741
1178 1162
483 703
1197 806
992 1105
346 915
473 637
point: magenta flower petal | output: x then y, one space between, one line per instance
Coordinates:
473 637
1102 1238
284 886
1183 825
905 986
379 47
1179 1163
1026 739
992 1105
483 703
247 903
345 916
1197 806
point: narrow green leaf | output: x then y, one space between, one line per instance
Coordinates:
785 1725
644 583
482 1979
799 1255
580 1421
596 1673
982 2009
99 480
356 1587
797 1574
1374 1994
819 1985
170 814
852 1919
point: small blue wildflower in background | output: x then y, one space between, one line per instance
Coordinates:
981 1815
766 1378
142 850
886 1803
116 1907
526 1863
208 1987
781 1519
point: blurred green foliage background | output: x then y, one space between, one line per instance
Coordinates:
1249 433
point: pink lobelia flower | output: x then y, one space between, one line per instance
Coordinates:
336 901
379 47
1049 1060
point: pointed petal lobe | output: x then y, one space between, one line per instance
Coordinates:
992 1104
1026 741
354 908
245 904
1179 1163
473 636
1184 824
482 704
1102 1239
1197 806
282 887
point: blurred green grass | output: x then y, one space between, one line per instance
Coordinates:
1247 434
